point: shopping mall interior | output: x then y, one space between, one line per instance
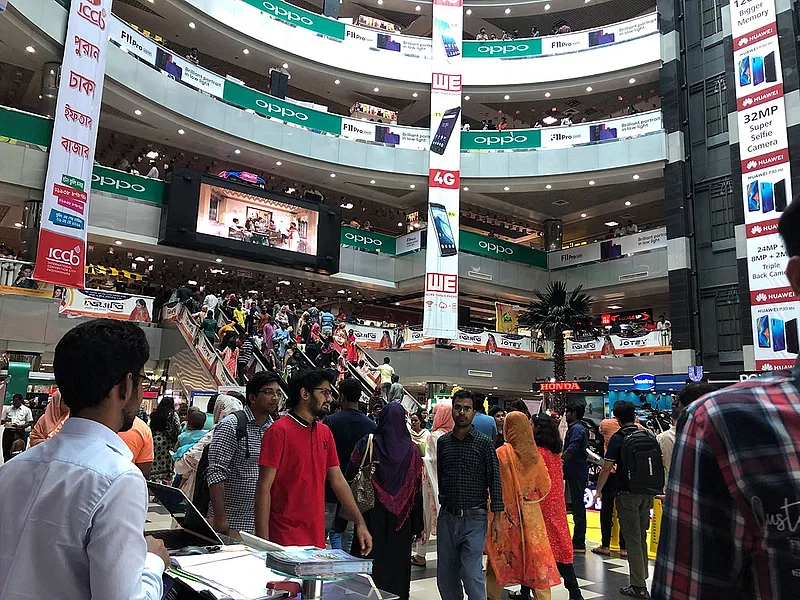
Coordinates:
301 158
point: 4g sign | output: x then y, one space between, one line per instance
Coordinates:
441 178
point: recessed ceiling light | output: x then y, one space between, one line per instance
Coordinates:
614 307
636 176
548 187
591 182
118 242
17 224
414 95
547 94
588 88
380 1
583 215
152 154
469 11
506 188
372 181
508 11
627 203
219 260
137 112
336 81
412 186
632 80
150 259
466 189
611 223
417 7
376 89
285 65
399 224
237 151
192 25
181 131
333 175
30 49
278 163
547 7
506 97
466 97
245 51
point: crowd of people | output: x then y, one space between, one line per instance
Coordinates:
514 34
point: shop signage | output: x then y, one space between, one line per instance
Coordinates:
112 181
409 242
297 17
61 253
502 250
559 386
367 240
695 372
608 249
627 316
106 305
766 180
516 139
644 381
19 126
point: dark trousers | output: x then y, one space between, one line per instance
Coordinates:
567 572
577 485
9 436
607 512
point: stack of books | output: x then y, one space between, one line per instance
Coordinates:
314 562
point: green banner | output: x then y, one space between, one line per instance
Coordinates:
266 105
510 139
125 184
18 374
503 49
368 240
298 17
500 249
19 126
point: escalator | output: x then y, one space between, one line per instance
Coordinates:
409 402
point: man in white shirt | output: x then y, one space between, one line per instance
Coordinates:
211 302
665 328
16 419
75 526
386 370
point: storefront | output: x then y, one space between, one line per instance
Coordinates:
591 394
656 390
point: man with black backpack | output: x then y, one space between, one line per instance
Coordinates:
640 477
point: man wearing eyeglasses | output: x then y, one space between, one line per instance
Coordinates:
298 455
233 456
469 474
75 511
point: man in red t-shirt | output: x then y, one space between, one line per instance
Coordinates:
298 454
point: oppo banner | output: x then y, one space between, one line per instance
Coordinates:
615 345
61 254
608 249
440 318
766 180
106 305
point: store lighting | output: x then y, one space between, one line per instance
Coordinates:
284 282
506 188
245 51
412 186
588 88
636 177
508 11
583 215
17 224
376 89
192 25
372 181
469 11
137 112
466 189
333 175
506 97
118 242
417 8
547 7
278 163
414 95
466 97
181 131
150 259
237 151
632 80
591 182
219 260
548 187
340 292
547 94
627 203
30 49
336 81
399 224
285 65
611 223
614 307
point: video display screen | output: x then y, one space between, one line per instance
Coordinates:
251 219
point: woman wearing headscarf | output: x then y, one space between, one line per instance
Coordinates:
186 466
442 423
396 519
522 554
51 421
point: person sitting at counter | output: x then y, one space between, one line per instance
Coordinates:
298 455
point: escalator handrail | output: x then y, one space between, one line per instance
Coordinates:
374 363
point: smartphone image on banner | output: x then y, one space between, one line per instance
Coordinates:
763 333
444 233
778 338
165 62
445 130
753 198
769 68
601 133
780 195
792 345
758 70
767 200
448 41
744 71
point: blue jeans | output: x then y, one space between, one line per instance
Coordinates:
460 543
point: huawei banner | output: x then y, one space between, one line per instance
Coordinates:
766 180
444 179
61 254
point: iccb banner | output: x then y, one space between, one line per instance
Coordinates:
61 254
444 180
766 179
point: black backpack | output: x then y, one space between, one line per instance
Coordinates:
641 461
201 496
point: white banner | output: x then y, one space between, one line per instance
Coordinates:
408 243
595 38
766 180
386 41
106 305
132 41
602 131
61 254
440 318
413 138
608 249
615 345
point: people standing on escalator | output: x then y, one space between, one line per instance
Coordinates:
396 391
245 356
327 319
209 326
352 348
267 331
230 355
238 314
282 337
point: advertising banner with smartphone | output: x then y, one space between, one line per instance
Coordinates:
766 180
416 47
106 305
61 254
413 138
608 249
440 319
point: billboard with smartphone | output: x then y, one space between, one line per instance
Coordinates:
766 181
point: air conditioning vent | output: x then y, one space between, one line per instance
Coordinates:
484 374
479 275
560 203
634 276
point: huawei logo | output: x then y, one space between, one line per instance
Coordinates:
767 367
743 41
747 102
761 297
756 229
751 164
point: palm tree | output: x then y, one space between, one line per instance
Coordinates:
554 312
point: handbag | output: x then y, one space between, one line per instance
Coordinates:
361 486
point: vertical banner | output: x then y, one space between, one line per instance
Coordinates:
766 180
506 317
61 254
444 178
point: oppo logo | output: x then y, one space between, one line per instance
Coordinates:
502 140
362 239
117 184
288 15
286 113
503 49
65 257
492 247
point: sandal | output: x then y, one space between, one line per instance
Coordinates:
634 592
418 562
602 551
623 554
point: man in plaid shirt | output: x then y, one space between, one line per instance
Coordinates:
731 524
